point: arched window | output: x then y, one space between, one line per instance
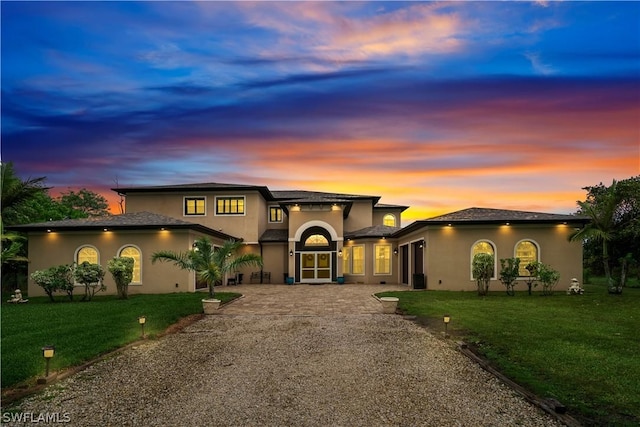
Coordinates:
389 219
484 247
87 253
316 240
133 252
527 251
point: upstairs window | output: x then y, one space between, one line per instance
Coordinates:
195 206
229 205
389 219
275 214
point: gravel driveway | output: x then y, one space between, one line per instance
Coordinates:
288 370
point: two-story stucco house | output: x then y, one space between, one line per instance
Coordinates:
303 236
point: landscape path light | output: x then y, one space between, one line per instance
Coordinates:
142 320
48 351
446 319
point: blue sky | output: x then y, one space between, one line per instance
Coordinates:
436 105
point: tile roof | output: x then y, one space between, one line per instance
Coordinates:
374 231
137 220
488 214
493 216
318 196
275 235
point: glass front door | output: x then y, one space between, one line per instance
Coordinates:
316 267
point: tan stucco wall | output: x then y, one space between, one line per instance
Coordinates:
299 218
248 226
448 253
360 216
50 249
276 260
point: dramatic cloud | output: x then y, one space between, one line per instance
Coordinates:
436 105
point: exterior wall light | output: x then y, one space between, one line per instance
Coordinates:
290 253
340 253
142 320
446 319
395 251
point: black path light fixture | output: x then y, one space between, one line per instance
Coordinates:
142 320
446 319
48 351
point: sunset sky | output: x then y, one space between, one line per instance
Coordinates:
439 106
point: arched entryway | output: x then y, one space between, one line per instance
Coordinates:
315 256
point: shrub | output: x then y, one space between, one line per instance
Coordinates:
531 281
509 272
121 268
57 278
548 277
482 271
90 275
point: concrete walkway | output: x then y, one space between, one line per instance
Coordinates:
305 299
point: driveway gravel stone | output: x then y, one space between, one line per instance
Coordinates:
338 369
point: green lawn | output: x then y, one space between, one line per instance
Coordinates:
582 350
81 331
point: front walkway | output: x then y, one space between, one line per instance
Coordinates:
306 299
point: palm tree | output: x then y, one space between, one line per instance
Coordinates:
208 262
16 191
603 225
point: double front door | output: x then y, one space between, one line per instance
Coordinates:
315 267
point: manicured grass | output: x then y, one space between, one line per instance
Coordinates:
81 331
582 350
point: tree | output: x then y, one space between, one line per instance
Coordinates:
15 192
84 204
614 230
209 263
121 269
483 271
509 272
90 275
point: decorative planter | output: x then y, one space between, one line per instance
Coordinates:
389 304
210 306
340 280
290 280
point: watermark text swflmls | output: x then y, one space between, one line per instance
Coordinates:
35 417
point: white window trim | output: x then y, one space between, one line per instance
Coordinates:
495 259
269 215
244 204
184 206
140 251
375 261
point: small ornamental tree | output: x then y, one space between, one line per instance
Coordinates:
121 268
58 278
90 275
548 277
531 281
483 271
509 272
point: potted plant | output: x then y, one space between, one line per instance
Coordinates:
210 264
